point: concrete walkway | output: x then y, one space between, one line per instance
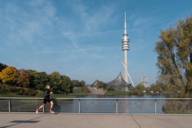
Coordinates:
62 120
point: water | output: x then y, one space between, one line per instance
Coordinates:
112 105
91 105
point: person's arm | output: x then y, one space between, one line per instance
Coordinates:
50 91
51 94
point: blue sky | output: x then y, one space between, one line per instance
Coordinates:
82 38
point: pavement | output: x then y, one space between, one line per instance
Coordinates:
70 120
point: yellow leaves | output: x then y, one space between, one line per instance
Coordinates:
9 75
184 44
168 37
183 48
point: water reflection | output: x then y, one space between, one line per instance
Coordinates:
109 105
133 105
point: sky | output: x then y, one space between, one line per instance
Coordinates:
82 38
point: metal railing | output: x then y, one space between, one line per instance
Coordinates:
101 105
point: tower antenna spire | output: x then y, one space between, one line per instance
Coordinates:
125 23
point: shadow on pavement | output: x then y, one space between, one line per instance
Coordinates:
17 122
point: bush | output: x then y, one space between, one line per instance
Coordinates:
179 106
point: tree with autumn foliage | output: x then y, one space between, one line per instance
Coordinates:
23 79
9 76
29 82
174 49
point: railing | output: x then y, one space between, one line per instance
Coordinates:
102 105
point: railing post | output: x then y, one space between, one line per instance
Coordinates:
116 106
9 105
79 106
155 106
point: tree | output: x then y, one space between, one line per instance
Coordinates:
174 49
139 89
38 80
66 84
23 79
60 83
77 83
9 76
2 66
54 80
31 82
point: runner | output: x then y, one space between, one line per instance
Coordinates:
47 99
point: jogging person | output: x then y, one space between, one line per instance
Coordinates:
47 99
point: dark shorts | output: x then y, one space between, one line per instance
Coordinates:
47 100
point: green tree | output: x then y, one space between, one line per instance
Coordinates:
139 89
66 85
60 83
38 80
77 83
174 49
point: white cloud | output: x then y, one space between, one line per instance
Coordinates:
47 41
91 23
38 22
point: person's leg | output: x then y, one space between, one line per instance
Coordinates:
39 108
51 107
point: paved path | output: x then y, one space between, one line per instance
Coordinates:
62 120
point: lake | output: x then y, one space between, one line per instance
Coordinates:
112 105
84 105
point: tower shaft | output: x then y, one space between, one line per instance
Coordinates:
126 65
125 48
